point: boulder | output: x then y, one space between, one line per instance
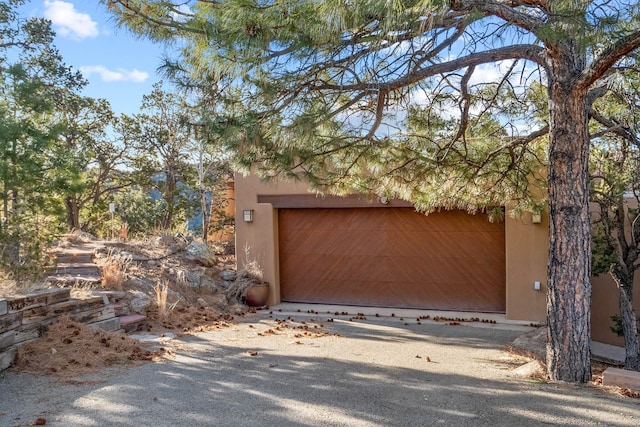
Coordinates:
532 344
140 302
533 369
199 280
228 275
198 251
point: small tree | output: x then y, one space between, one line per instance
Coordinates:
615 160
161 143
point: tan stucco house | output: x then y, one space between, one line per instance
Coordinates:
368 251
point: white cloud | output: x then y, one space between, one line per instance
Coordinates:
183 13
117 75
490 73
68 22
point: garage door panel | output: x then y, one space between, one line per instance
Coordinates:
392 257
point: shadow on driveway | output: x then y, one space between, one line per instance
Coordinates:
374 373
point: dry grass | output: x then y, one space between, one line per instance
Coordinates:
161 292
123 234
10 287
79 237
114 268
250 274
70 349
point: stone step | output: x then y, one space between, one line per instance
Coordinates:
88 309
112 296
621 378
74 258
42 297
121 310
68 279
77 271
63 265
132 322
111 325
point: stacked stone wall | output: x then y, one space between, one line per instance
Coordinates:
27 317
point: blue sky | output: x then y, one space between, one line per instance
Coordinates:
119 66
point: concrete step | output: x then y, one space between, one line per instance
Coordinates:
132 322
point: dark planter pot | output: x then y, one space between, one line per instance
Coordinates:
256 295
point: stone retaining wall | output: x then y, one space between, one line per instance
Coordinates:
25 318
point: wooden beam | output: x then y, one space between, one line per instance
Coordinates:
311 201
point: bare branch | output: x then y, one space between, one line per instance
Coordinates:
506 10
529 52
609 56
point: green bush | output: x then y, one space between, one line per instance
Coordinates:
617 325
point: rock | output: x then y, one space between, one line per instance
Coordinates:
201 303
219 301
533 369
165 240
198 280
140 302
164 337
532 344
141 282
200 252
228 275
237 309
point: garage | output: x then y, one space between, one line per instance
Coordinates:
392 257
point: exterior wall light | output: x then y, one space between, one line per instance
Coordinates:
247 215
536 217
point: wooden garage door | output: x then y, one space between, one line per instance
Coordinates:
392 257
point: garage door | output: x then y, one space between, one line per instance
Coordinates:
392 257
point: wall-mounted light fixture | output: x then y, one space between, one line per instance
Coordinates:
536 217
247 215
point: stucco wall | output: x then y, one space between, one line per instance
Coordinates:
526 247
258 240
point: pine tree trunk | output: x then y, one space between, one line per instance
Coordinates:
73 213
170 194
569 269
205 213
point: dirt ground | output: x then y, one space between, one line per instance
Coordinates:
291 368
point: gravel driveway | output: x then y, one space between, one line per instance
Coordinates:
382 371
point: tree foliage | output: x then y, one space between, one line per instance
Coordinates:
429 100
615 165
33 80
161 142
